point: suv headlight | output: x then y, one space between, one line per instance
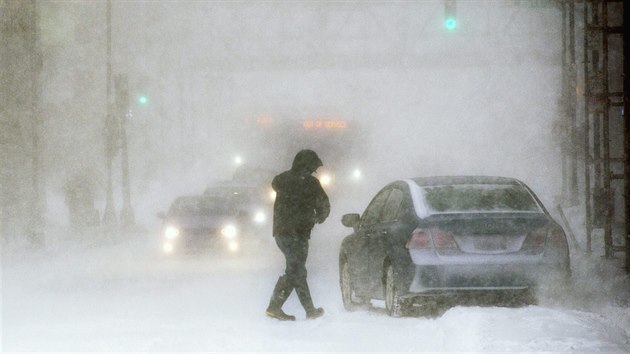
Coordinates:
325 179
233 246
229 232
171 232
260 217
167 247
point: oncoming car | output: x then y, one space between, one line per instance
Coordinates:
423 238
335 179
199 223
253 202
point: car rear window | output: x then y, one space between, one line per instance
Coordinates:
469 198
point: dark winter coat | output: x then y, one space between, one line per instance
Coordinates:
300 199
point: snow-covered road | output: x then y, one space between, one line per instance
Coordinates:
123 297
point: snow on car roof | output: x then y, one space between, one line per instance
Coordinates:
453 180
422 207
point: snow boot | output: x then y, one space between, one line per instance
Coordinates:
279 315
304 294
280 294
314 313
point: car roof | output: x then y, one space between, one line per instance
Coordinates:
454 180
231 185
186 198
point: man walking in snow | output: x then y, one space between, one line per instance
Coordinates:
300 203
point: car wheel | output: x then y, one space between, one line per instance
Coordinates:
350 301
393 300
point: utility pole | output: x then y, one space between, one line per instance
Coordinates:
21 195
109 215
124 113
626 109
36 219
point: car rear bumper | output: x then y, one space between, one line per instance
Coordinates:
457 278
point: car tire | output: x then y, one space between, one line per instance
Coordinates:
393 301
350 301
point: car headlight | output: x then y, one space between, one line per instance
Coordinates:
325 179
233 246
171 232
260 217
229 231
167 247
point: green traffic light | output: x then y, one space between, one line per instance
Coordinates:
450 23
143 100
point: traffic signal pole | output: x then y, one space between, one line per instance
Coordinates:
126 214
124 113
450 17
109 215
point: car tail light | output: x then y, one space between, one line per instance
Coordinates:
419 239
536 239
557 238
443 239
423 239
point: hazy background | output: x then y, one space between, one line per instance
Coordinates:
418 101
482 100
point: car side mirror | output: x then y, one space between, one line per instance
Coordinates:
351 220
161 215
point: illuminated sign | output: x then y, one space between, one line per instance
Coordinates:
325 124
264 120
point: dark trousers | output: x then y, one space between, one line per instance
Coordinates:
295 250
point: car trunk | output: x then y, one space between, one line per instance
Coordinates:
489 233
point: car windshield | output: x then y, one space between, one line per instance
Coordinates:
228 192
469 198
198 206
233 197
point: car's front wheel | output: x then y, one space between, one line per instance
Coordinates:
350 301
393 301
